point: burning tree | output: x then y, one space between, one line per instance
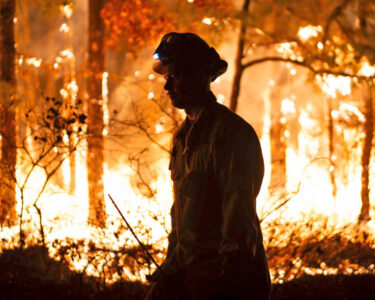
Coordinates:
132 26
8 114
44 151
313 111
329 39
95 156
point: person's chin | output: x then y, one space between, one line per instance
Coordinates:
176 102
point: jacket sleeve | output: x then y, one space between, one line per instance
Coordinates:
170 267
238 169
172 237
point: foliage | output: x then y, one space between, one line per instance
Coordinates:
142 22
207 18
46 148
317 246
57 120
301 255
337 32
136 22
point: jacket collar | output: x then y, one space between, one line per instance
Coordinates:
197 132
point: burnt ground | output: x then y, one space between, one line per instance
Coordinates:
31 274
343 287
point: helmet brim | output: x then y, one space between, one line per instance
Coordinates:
159 68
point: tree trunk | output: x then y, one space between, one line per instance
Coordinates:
366 156
238 67
332 165
277 134
72 165
95 155
8 116
278 155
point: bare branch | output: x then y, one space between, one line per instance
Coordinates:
336 12
305 65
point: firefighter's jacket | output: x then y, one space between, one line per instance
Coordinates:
217 170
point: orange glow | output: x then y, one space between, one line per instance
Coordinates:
33 61
331 84
67 10
308 32
307 159
367 69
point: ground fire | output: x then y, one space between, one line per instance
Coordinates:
83 116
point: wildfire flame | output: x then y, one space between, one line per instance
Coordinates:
64 28
308 176
308 32
331 84
32 61
67 10
207 21
367 69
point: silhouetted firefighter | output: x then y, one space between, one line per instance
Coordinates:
216 246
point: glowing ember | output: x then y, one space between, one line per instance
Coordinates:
64 93
347 111
331 84
287 106
73 88
287 50
308 32
207 21
67 10
64 28
367 69
159 128
68 53
36 62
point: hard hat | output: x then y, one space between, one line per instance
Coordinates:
189 51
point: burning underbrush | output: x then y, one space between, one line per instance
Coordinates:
57 250
316 246
109 255
108 260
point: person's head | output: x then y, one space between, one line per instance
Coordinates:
189 65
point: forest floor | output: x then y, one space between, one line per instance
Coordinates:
32 274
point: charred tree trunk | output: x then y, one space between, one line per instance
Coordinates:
72 165
8 115
95 155
332 165
278 155
277 135
366 156
238 66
